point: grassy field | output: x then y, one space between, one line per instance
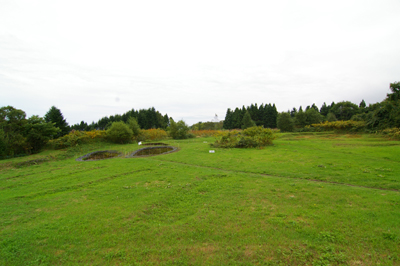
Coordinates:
317 199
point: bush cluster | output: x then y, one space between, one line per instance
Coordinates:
205 132
392 133
179 130
119 132
340 126
249 138
75 137
152 134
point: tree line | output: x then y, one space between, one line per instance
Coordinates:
377 116
20 135
146 118
263 115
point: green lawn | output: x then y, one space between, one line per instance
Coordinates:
317 199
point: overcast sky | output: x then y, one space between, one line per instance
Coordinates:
192 59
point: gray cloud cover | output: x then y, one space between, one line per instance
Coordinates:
193 59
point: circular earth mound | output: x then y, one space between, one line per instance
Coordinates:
151 151
155 144
99 155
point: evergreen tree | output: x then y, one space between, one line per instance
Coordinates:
293 112
324 109
166 121
247 121
228 120
54 115
237 118
274 114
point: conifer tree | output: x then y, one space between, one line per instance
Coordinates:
54 115
247 121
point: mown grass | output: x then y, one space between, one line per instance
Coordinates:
307 200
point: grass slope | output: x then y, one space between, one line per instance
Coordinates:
308 200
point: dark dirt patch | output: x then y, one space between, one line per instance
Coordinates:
99 155
151 151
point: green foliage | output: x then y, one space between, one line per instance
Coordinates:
331 117
300 118
341 126
325 109
247 122
387 113
72 139
152 134
208 126
38 132
178 130
12 123
226 139
344 110
146 119
119 132
285 122
362 105
264 115
134 126
76 137
19 135
55 116
392 133
313 116
248 138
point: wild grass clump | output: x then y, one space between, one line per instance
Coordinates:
392 133
249 138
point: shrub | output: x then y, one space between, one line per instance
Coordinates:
178 130
248 138
285 122
204 133
392 133
341 126
152 134
96 134
119 132
134 126
73 138
226 139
